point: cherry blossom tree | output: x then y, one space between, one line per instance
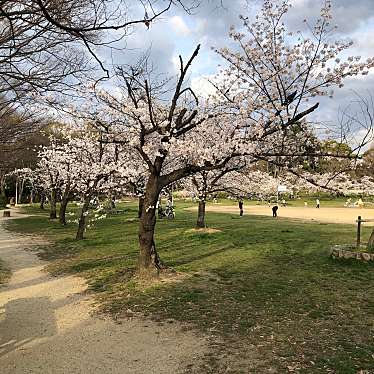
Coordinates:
173 133
342 183
93 162
48 170
23 177
274 76
56 171
208 182
258 109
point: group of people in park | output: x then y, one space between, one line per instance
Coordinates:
241 208
274 208
358 203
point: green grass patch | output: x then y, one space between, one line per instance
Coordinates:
266 288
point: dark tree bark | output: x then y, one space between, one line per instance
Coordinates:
2 186
82 218
149 263
201 214
42 200
64 204
52 203
140 206
62 211
20 193
112 202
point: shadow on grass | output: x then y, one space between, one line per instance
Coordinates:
198 257
290 311
267 284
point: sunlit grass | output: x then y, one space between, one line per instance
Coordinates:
264 286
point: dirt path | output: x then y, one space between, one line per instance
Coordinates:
46 326
328 215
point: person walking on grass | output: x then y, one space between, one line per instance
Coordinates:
241 207
274 209
317 203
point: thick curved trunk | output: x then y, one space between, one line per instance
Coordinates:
64 204
52 203
149 263
201 214
82 218
62 211
42 200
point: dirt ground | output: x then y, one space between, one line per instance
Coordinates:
47 326
329 215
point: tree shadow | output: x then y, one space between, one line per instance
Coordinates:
25 320
25 284
197 257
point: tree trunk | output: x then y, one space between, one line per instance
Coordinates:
42 200
62 212
2 186
201 214
16 191
20 192
82 218
112 202
140 206
371 240
52 203
64 204
149 263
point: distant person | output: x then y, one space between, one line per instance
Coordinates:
317 203
241 206
360 203
305 203
283 202
274 209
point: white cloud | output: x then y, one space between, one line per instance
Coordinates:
179 26
176 64
202 87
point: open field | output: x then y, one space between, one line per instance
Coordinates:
325 202
328 215
264 292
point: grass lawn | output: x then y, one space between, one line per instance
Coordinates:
264 290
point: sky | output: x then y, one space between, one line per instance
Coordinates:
179 33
